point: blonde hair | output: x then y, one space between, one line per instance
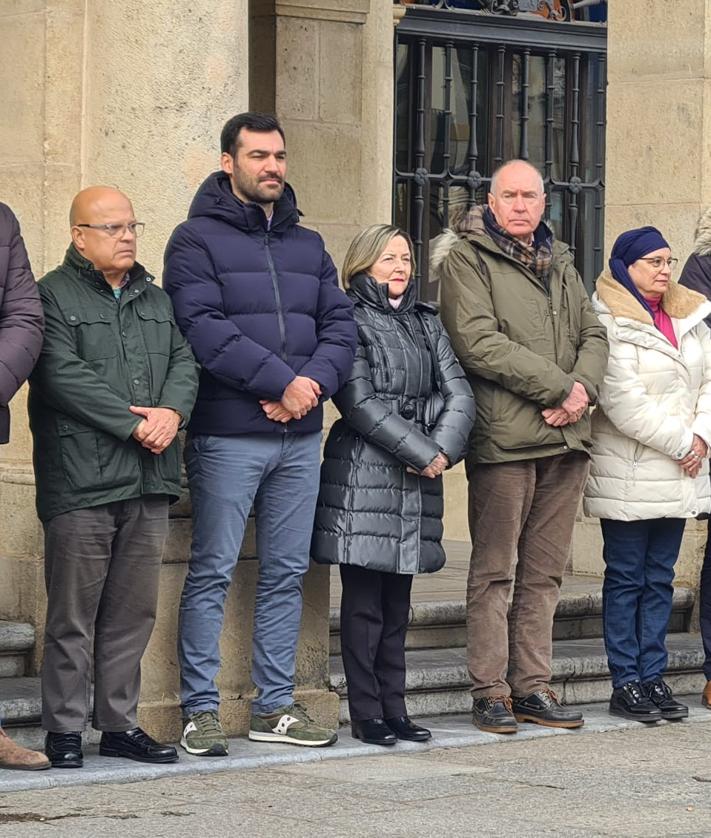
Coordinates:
366 247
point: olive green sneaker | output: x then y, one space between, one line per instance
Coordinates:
203 735
290 724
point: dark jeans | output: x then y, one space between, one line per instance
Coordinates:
637 595
375 609
705 605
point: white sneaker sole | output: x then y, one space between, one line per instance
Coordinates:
213 751
259 736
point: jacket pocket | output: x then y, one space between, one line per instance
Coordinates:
156 327
92 460
94 334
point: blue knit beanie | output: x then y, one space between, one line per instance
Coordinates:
629 247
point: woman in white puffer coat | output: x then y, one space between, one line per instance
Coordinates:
649 472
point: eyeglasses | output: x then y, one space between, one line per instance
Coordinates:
657 262
136 228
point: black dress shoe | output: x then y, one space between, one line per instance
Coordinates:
64 750
404 728
136 744
630 701
373 732
544 708
493 714
659 693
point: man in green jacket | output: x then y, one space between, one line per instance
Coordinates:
535 353
114 382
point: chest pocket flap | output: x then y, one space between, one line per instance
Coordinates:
156 326
93 334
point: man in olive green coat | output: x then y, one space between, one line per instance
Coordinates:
535 353
113 384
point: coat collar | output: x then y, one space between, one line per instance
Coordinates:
365 289
680 303
75 262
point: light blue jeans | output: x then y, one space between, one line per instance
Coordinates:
278 475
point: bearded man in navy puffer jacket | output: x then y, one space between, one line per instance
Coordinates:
257 297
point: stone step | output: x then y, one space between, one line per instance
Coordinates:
438 680
438 625
16 642
21 711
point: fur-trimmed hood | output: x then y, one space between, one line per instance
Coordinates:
702 237
461 224
678 302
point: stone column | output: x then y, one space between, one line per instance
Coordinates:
131 94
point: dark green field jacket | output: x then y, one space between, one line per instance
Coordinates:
522 343
101 355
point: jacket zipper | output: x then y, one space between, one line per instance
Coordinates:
277 297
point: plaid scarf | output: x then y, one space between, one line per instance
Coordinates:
537 256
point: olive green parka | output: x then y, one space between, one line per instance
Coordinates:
522 343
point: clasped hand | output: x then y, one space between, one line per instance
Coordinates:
691 463
158 427
299 397
572 409
434 469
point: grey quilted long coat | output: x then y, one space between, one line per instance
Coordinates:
406 400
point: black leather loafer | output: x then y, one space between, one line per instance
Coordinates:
136 744
404 728
544 708
63 750
660 694
631 702
373 732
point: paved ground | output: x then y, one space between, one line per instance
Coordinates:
612 778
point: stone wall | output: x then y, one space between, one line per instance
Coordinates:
130 94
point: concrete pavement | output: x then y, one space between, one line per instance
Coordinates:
611 778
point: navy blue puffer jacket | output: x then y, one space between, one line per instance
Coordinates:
258 307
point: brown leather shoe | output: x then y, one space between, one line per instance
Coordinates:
706 695
15 756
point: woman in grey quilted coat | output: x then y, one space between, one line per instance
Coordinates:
406 413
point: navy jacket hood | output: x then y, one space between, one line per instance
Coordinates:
215 199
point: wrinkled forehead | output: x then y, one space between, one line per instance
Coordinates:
518 179
106 208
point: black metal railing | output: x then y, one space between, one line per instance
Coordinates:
474 90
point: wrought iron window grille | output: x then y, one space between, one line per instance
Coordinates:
476 88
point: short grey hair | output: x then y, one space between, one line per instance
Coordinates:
497 172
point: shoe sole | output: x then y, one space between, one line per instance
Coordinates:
633 718
67 764
571 725
6 767
676 716
216 750
259 736
492 729
106 752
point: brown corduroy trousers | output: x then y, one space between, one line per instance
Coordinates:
521 519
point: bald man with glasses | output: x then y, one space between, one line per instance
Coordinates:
114 382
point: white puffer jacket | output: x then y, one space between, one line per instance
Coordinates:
653 399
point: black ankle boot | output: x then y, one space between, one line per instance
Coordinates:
631 702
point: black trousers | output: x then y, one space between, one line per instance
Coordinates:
375 609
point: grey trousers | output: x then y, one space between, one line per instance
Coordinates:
102 568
